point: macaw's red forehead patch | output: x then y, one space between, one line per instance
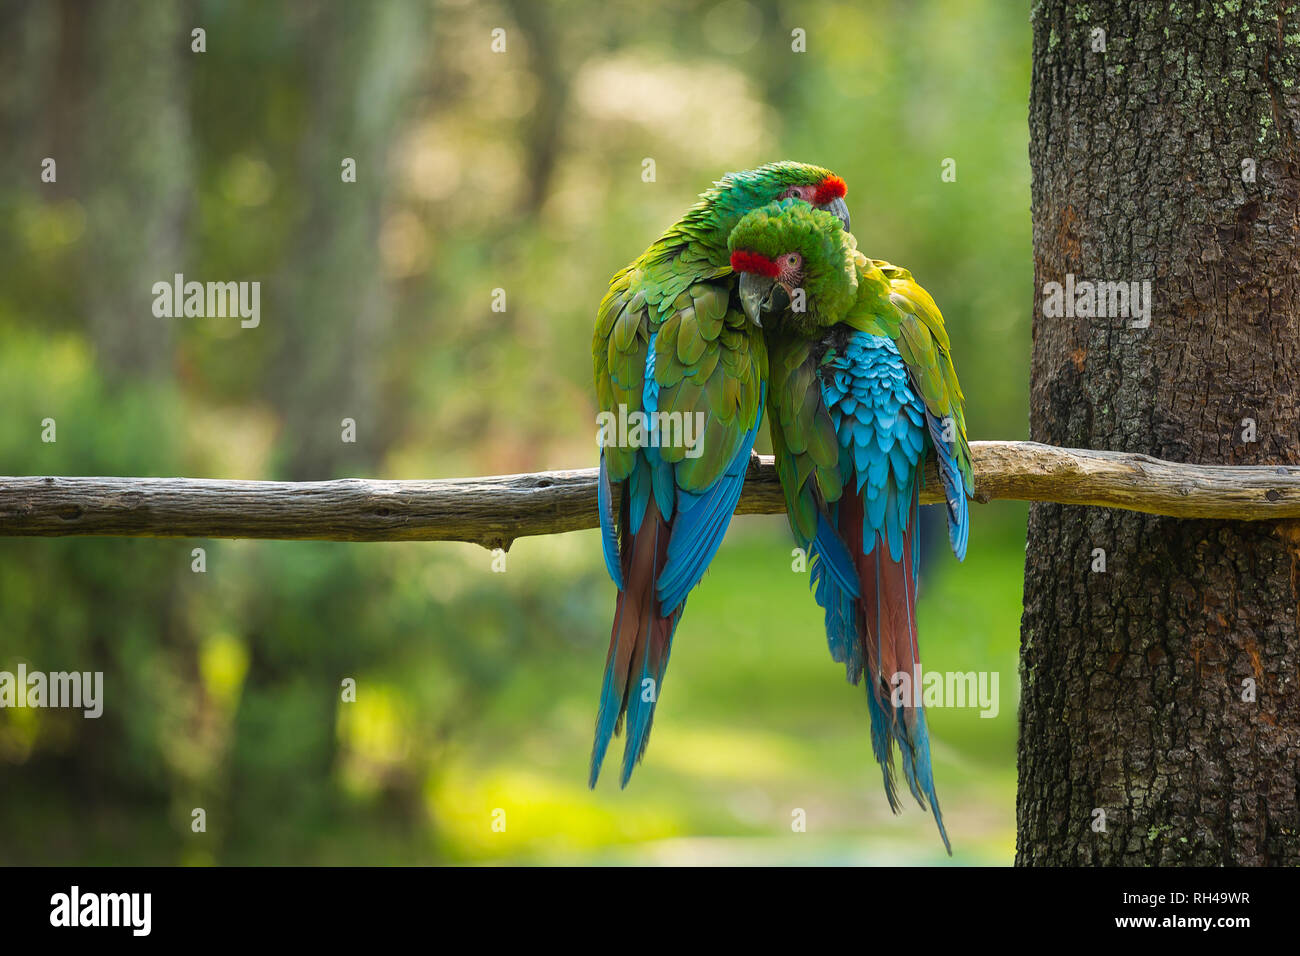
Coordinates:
744 261
832 187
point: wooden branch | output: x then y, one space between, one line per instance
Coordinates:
495 511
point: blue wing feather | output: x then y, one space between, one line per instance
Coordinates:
702 521
955 490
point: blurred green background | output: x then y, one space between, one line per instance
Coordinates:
476 170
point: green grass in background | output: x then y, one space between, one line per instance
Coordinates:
755 720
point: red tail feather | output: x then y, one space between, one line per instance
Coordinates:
639 641
886 627
887 608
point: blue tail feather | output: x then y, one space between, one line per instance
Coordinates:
883 439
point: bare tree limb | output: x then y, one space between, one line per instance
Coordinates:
494 511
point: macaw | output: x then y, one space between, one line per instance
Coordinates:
862 387
672 344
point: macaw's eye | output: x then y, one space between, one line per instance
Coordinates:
792 260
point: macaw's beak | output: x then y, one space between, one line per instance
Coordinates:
840 210
755 295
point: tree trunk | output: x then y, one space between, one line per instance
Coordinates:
1137 708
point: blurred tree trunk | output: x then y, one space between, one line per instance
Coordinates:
1133 679
102 89
328 311
132 168
24 42
544 126
331 301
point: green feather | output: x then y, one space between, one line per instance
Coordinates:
841 285
690 341
708 357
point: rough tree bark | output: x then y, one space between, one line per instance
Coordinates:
1132 679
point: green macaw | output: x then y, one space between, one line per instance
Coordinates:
681 375
862 387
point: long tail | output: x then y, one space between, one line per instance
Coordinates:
639 644
886 631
